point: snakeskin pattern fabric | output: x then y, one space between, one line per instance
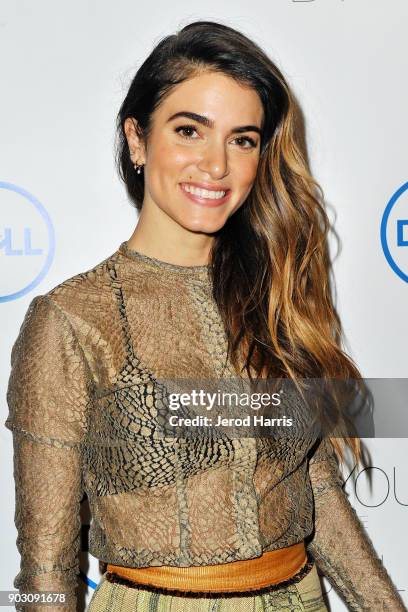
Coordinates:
83 399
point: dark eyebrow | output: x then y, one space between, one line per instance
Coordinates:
209 123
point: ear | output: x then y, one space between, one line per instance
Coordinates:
135 141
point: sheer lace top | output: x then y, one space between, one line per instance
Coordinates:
83 377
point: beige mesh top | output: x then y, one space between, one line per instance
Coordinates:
84 367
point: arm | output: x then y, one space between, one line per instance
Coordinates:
341 547
48 392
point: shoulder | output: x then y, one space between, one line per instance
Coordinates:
85 283
80 300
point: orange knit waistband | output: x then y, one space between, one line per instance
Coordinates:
270 568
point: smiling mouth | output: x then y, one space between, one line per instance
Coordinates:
206 194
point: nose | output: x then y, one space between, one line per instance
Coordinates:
215 160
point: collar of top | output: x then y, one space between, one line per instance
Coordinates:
200 272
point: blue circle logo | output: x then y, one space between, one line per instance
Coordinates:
27 242
394 232
91 583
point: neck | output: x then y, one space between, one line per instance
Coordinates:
158 235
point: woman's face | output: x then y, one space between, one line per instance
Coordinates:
202 153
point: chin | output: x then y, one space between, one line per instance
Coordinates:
205 227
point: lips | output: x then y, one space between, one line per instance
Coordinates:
208 186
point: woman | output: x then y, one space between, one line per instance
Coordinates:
224 274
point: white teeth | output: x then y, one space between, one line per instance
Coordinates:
204 193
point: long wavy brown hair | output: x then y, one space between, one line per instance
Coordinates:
270 262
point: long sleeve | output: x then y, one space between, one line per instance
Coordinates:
48 394
341 547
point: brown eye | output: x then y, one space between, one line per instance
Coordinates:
185 130
251 142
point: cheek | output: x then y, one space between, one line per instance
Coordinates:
168 160
246 173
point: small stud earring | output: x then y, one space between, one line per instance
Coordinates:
138 168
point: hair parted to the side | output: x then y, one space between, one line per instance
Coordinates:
270 262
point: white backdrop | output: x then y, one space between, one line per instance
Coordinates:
65 68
